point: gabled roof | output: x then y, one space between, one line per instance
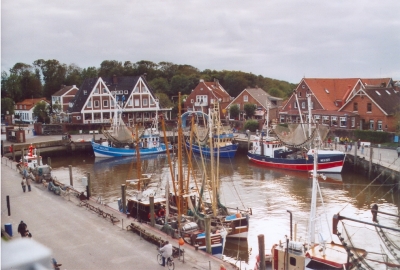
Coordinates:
328 91
113 83
258 94
387 99
216 89
30 103
261 96
63 90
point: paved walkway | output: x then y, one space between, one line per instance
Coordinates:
81 239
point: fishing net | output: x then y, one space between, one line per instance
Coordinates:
298 135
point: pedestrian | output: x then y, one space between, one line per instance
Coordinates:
22 229
28 182
358 144
398 151
23 184
362 149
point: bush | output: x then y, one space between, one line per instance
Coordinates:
251 125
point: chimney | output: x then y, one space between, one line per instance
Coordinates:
115 79
201 80
216 82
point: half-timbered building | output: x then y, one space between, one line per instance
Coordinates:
100 99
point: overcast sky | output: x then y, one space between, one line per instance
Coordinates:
280 39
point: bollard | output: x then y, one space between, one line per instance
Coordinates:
152 220
71 180
8 205
123 198
207 220
88 186
261 251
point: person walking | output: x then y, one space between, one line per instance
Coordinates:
362 149
358 144
22 229
28 182
166 251
23 184
398 151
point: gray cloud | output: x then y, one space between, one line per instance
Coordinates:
283 39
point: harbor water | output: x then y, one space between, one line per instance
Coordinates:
270 193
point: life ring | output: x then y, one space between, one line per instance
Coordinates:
155 143
161 213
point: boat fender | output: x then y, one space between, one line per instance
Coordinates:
161 213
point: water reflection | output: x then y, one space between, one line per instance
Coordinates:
269 192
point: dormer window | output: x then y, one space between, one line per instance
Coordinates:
85 92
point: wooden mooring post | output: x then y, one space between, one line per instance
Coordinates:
207 220
123 198
152 219
261 251
71 180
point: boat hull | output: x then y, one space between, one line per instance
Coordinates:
332 163
228 151
107 151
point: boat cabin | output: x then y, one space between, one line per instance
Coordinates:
31 160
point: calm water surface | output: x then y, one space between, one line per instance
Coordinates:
269 192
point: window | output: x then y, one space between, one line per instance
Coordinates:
295 105
89 104
343 121
353 122
299 94
334 120
192 100
85 92
282 119
317 118
112 103
371 124
130 102
145 102
96 90
136 102
245 98
96 103
78 118
355 106
325 120
303 105
125 92
292 261
369 107
379 123
312 105
105 103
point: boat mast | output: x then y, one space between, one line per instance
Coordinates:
212 179
311 224
180 167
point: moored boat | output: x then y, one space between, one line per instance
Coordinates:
31 160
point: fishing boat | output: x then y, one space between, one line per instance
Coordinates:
312 254
291 150
222 139
31 160
121 142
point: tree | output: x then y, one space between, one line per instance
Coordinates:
164 100
109 68
160 85
42 111
251 125
53 73
73 75
87 73
7 105
11 86
249 109
234 111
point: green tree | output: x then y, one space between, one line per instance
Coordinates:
109 68
11 86
42 111
234 111
275 92
234 82
160 85
180 83
7 105
53 73
87 73
249 109
251 125
56 108
164 100
73 75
